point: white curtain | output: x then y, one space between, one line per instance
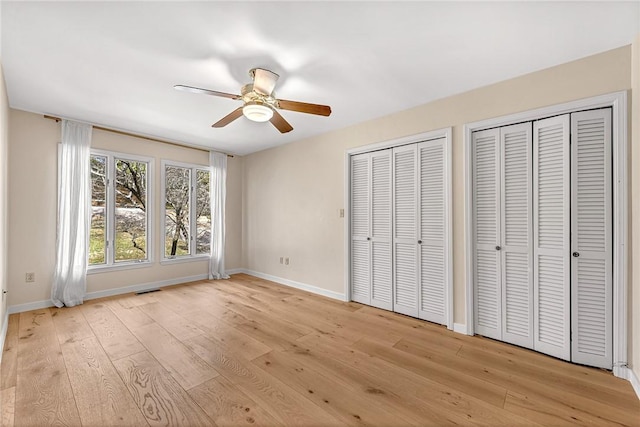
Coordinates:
218 191
74 210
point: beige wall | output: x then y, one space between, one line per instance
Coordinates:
4 143
32 212
292 193
634 294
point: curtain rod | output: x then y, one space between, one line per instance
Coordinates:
150 138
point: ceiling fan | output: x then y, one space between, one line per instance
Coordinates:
260 103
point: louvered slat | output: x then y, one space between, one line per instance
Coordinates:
360 228
360 268
517 257
432 189
405 279
486 291
591 284
487 280
405 195
432 284
381 279
405 231
360 195
381 194
518 304
551 237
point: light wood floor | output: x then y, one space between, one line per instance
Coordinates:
249 352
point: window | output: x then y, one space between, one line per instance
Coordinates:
187 211
120 210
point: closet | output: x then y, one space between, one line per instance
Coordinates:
399 206
542 207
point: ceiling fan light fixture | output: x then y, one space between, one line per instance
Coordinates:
257 112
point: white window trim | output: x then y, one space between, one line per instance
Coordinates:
411 139
618 102
192 213
110 264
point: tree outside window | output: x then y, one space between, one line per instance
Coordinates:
119 212
187 211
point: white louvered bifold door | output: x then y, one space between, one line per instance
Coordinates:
432 225
405 241
551 221
517 235
591 242
486 202
360 229
381 278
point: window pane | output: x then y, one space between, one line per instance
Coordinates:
130 210
203 213
97 236
177 183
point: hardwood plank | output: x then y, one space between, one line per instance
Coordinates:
7 406
182 363
175 324
43 392
181 300
350 405
308 322
252 309
100 394
282 402
539 395
135 300
161 399
437 372
558 380
116 340
509 355
457 406
550 414
70 324
273 355
8 369
228 406
235 340
131 317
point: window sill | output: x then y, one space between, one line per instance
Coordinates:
180 260
118 267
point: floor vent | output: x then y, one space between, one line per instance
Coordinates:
146 292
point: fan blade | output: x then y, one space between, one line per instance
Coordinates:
280 123
303 107
264 81
206 91
228 118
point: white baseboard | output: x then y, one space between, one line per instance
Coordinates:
634 380
3 332
294 284
37 305
460 328
235 271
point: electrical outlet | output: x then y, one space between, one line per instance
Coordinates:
30 277
281 260
286 261
341 213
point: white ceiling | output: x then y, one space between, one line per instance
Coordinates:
115 64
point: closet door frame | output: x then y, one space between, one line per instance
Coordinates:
412 139
618 103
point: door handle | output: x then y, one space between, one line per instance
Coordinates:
498 248
419 242
576 254
368 238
